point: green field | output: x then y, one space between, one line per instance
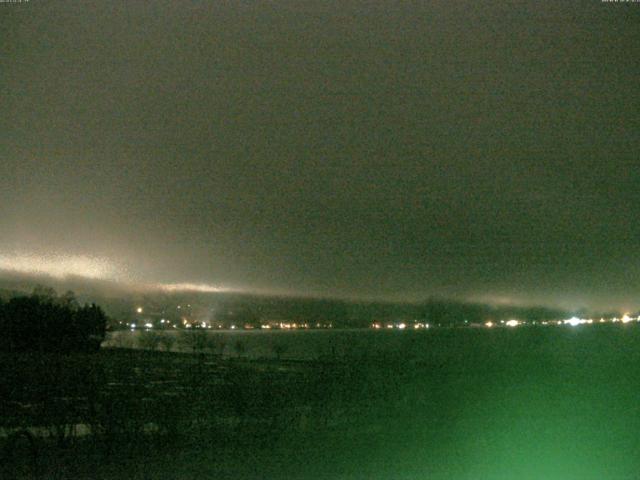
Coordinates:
530 403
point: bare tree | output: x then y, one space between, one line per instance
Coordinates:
279 349
240 347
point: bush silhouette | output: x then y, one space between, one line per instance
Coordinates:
48 323
149 340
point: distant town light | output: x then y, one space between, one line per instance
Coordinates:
139 309
512 323
574 321
148 325
488 324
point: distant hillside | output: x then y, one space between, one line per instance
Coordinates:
121 303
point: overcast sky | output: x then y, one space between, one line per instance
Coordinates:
484 150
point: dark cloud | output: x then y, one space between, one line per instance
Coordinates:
396 150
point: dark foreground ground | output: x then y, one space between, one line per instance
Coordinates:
551 403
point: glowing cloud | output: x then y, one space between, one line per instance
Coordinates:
87 266
60 266
192 287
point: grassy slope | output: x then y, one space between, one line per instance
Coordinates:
552 404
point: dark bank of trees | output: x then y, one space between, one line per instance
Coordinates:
360 314
47 322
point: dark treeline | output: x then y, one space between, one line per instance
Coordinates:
243 309
228 308
47 322
351 314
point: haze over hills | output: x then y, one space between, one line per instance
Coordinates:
128 303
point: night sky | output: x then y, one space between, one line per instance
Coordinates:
391 150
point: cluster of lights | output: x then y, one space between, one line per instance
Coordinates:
626 319
399 326
186 322
573 321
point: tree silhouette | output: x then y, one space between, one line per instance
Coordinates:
240 347
279 349
46 322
